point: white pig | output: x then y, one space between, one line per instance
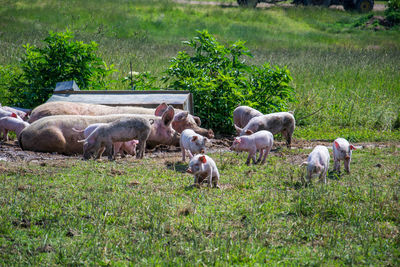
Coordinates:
11 123
243 114
193 142
6 113
204 167
317 163
342 151
261 140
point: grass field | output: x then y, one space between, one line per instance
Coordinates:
65 212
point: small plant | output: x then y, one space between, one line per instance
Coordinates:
392 12
61 59
220 80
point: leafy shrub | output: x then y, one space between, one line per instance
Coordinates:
61 59
9 80
220 80
392 13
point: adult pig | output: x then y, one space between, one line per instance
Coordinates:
243 114
55 133
280 122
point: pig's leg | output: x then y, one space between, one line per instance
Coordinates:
142 145
322 176
209 177
99 151
109 148
347 165
309 175
215 181
337 165
196 179
190 154
262 151
266 152
6 134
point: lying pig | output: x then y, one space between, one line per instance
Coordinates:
182 120
342 151
192 142
243 114
261 140
119 147
121 130
11 123
280 122
317 163
55 134
204 167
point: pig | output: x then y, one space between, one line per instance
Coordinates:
121 130
119 147
192 142
128 147
182 120
11 123
22 113
342 151
317 163
280 122
55 134
243 114
6 113
261 140
204 167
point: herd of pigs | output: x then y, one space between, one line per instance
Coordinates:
74 128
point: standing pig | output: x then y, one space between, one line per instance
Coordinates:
121 130
11 123
243 114
204 167
261 140
280 122
342 151
317 163
119 147
192 142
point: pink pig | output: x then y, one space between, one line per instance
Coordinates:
342 151
204 168
128 147
261 140
11 123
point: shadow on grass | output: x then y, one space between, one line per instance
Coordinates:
177 166
333 175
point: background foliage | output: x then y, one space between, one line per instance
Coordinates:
220 80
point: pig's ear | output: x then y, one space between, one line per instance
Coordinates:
237 140
352 147
181 115
336 144
197 120
238 130
203 159
168 116
161 109
14 115
136 141
194 138
249 132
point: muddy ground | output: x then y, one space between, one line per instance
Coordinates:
11 152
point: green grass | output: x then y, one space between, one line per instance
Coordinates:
348 72
69 212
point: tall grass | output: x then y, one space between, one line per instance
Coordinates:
350 73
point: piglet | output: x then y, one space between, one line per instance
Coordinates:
261 140
193 142
317 163
342 151
12 123
204 167
128 147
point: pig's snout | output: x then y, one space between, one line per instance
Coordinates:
347 157
189 171
202 151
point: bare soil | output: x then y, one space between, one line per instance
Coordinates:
11 152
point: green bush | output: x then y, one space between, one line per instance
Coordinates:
220 80
392 13
60 59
